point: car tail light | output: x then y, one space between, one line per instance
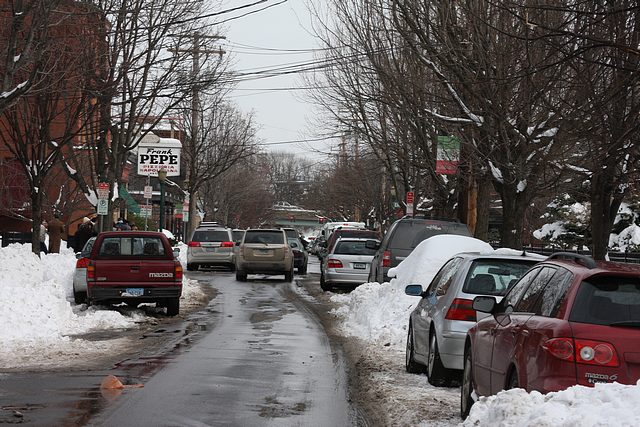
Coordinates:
193 244
461 309
82 263
589 352
334 263
91 271
386 259
177 272
226 244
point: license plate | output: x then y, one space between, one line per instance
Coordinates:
264 251
360 265
134 292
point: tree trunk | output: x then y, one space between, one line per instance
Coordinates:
36 219
483 203
514 205
600 213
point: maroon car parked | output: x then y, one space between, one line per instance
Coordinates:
569 320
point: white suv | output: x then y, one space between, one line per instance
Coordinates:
211 247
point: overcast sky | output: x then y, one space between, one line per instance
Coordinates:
271 38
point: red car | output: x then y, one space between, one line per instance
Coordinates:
569 320
134 267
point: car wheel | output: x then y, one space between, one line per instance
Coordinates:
79 297
288 275
192 267
466 392
173 307
323 284
241 276
513 380
411 365
303 269
437 373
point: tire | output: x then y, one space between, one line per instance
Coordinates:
466 391
79 297
241 276
323 285
303 269
192 267
438 375
173 307
288 275
410 364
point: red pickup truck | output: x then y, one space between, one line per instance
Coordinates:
134 267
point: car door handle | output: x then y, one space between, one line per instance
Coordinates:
135 268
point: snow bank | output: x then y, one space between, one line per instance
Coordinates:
380 313
602 405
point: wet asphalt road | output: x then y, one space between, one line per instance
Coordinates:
257 357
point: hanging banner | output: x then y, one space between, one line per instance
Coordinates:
448 155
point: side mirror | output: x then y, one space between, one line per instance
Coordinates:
372 244
484 304
414 290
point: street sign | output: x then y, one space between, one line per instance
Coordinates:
148 192
103 190
103 207
409 197
145 211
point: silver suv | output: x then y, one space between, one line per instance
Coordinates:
264 251
211 246
438 325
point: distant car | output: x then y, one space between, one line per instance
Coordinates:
342 232
439 323
569 320
300 256
134 267
264 251
347 265
80 273
211 246
237 235
402 238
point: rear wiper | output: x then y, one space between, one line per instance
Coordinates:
629 323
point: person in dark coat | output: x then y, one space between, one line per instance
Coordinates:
56 231
84 233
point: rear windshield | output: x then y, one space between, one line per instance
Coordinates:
131 246
266 237
356 233
494 276
408 235
210 236
353 248
608 301
291 233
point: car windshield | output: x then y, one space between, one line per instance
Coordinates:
494 276
353 248
210 236
607 300
131 246
410 234
266 237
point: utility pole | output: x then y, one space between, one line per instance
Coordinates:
191 183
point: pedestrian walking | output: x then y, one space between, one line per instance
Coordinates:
43 237
56 231
84 233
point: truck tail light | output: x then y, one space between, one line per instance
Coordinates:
82 262
461 309
226 244
91 271
177 272
334 263
193 244
386 259
589 352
